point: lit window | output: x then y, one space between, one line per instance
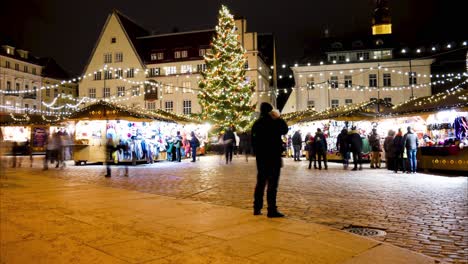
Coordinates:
335 103
92 92
169 106
334 81
118 73
106 92
170 70
186 69
154 72
202 52
136 90
121 91
168 88
201 67
177 54
187 107
186 85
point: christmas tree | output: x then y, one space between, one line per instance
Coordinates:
225 94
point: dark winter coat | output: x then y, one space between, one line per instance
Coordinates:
388 147
342 142
266 137
296 139
194 142
320 142
374 142
398 144
355 141
229 135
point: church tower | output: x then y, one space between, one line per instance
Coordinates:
381 21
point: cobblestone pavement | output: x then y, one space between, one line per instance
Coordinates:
422 212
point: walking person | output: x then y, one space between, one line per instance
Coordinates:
342 145
194 144
109 149
411 144
297 143
178 145
389 151
398 149
245 145
321 148
229 143
268 147
355 146
312 152
374 142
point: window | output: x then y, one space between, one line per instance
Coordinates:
97 76
113 40
25 68
177 54
107 75
333 58
201 67
388 100
169 106
131 73
187 107
170 70
26 87
373 99
17 86
334 81
118 57
7 64
341 58
246 65
184 53
186 69
412 78
186 85
348 101
136 90
55 92
34 107
33 70
154 72
47 92
92 92
335 103
27 107
372 80
157 56
202 52
348 81
310 104
151 106
120 91
154 56
387 79
34 90
363 55
8 86
118 73
168 89
107 57
16 67
106 92
310 83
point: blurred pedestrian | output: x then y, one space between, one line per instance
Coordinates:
374 142
312 152
297 144
178 145
321 148
411 144
389 151
268 147
342 145
108 159
229 143
194 144
398 148
355 146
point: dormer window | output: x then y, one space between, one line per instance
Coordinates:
9 51
180 54
157 56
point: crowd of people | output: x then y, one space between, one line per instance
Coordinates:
400 149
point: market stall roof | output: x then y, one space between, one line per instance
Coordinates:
361 111
457 99
12 119
294 117
109 111
175 117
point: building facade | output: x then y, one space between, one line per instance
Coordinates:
130 66
28 84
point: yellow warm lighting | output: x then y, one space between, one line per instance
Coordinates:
382 29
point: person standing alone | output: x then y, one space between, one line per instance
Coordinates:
268 147
194 144
229 140
297 144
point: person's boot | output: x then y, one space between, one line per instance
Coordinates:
275 214
257 212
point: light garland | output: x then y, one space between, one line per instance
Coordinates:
24 119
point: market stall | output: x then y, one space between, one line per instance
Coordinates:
26 129
443 129
135 135
364 116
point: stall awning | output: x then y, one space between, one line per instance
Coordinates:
430 104
108 111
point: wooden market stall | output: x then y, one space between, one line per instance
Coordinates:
443 144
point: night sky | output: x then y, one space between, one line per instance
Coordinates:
67 30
